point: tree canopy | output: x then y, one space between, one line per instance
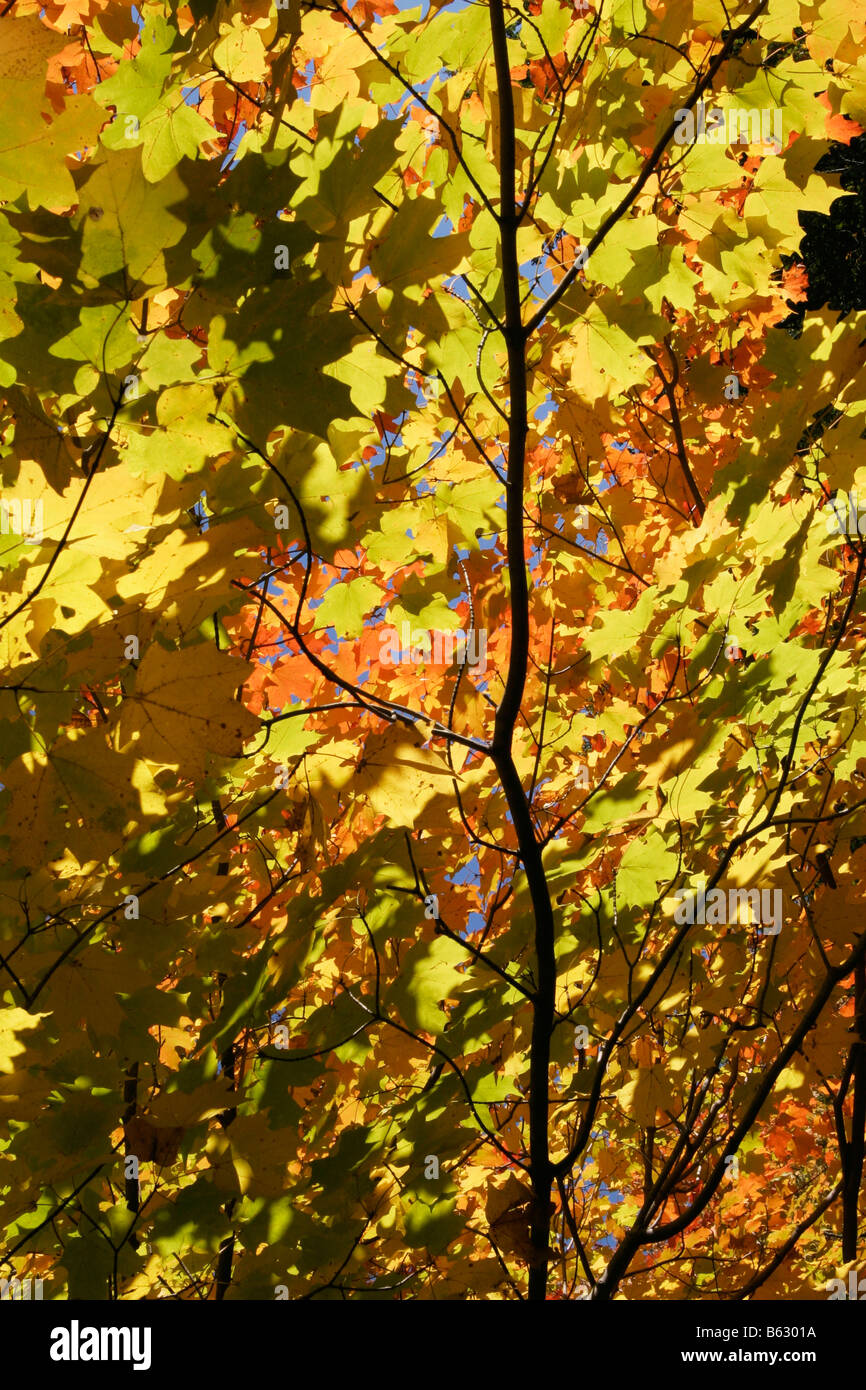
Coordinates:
432 747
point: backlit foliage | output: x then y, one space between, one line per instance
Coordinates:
328 975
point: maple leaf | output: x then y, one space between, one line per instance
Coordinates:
401 973
184 707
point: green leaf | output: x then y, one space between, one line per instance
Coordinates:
345 605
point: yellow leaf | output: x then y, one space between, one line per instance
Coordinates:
645 1093
400 776
184 708
241 53
12 1022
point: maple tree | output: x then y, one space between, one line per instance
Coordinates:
336 970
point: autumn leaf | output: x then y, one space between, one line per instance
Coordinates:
178 696
431 594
